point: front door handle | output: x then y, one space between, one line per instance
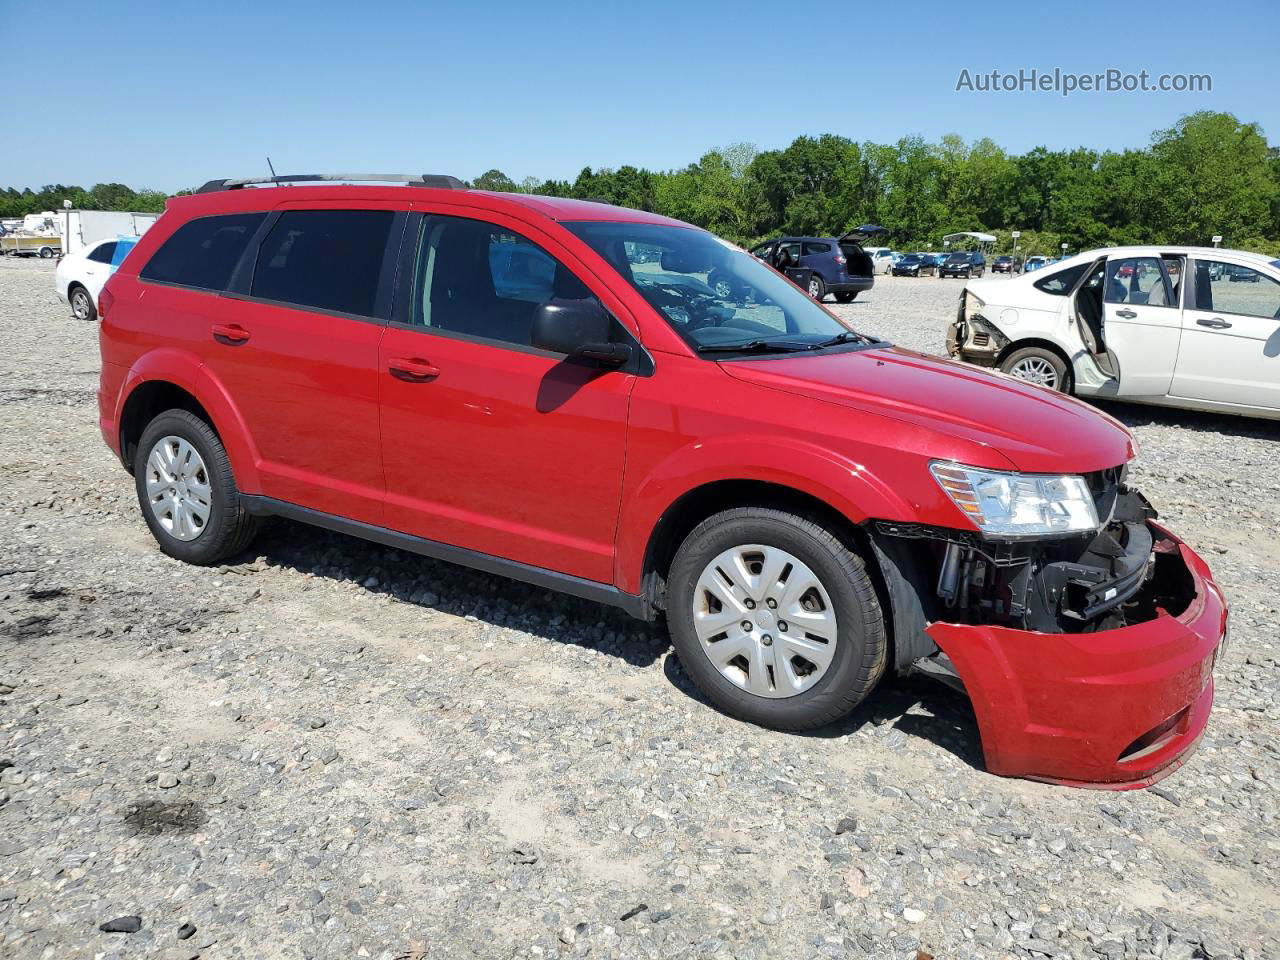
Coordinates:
1127 314
413 369
1217 323
231 334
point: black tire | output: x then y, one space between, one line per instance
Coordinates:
82 305
817 289
723 285
229 528
1061 370
847 296
46 253
861 646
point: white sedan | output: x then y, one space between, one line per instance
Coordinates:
1193 327
80 276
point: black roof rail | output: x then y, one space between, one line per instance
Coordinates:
438 180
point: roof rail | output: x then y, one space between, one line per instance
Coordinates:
438 180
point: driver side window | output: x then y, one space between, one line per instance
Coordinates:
481 280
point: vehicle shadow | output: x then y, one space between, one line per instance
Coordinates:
448 588
1144 415
915 706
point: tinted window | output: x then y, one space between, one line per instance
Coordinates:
203 253
812 247
483 280
1061 282
1227 288
327 259
1137 281
104 253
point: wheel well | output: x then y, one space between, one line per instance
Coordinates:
148 401
1044 345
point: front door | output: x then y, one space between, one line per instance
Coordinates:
488 443
1142 323
1230 337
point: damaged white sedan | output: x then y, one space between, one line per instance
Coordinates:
1193 327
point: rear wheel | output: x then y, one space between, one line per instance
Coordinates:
187 492
82 304
1040 366
817 289
846 296
775 619
46 253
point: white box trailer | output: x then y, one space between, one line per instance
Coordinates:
80 228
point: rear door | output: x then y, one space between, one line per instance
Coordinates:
97 267
295 344
816 255
489 443
1142 324
1230 336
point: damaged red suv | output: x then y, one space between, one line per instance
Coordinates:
550 390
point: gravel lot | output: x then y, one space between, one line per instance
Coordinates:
332 749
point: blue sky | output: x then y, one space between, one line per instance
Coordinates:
169 94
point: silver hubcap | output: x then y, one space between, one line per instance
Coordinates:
1036 370
723 289
80 304
178 488
813 288
765 621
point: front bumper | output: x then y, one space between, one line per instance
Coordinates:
1113 709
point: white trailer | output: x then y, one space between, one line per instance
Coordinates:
80 228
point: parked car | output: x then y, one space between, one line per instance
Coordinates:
808 507
882 259
1034 263
1146 324
915 265
840 265
80 276
969 263
1005 264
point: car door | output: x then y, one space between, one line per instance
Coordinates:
488 443
96 268
815 255
294 344
1230 336
1141 324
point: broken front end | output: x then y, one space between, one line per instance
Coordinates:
1088 656
972 337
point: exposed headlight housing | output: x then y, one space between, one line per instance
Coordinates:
1015 505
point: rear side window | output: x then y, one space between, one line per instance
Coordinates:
203 253
326 259
811 247
104 253
1061 282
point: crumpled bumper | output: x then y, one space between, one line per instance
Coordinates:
1115 709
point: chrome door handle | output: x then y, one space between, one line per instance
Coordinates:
1217 323
1127 314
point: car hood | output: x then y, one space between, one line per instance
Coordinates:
1035 429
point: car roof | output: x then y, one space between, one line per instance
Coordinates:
1156 250
563 209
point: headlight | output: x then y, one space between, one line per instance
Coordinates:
1018 504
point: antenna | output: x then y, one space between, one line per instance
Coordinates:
270 167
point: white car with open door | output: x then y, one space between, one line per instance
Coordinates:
1194 327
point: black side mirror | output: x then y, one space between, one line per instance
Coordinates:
578 328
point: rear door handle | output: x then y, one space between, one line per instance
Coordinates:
413 369
1217 323
1127 314
231 334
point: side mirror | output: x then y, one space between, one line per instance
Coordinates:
578 328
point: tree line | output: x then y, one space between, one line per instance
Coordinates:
1210 174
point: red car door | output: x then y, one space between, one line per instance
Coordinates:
487 443
296 349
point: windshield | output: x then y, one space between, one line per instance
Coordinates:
712 293
958 258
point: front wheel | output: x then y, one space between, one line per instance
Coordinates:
187 492
1040 366
775 619
847 296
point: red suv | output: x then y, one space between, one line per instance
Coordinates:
550 389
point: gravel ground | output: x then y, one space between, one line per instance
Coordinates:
332 749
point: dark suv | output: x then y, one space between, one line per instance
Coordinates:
839 265
967 264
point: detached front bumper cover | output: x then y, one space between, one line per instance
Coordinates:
1112 709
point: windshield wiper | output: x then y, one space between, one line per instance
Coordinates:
755 346
848 336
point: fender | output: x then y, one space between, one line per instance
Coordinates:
168 364
844 485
